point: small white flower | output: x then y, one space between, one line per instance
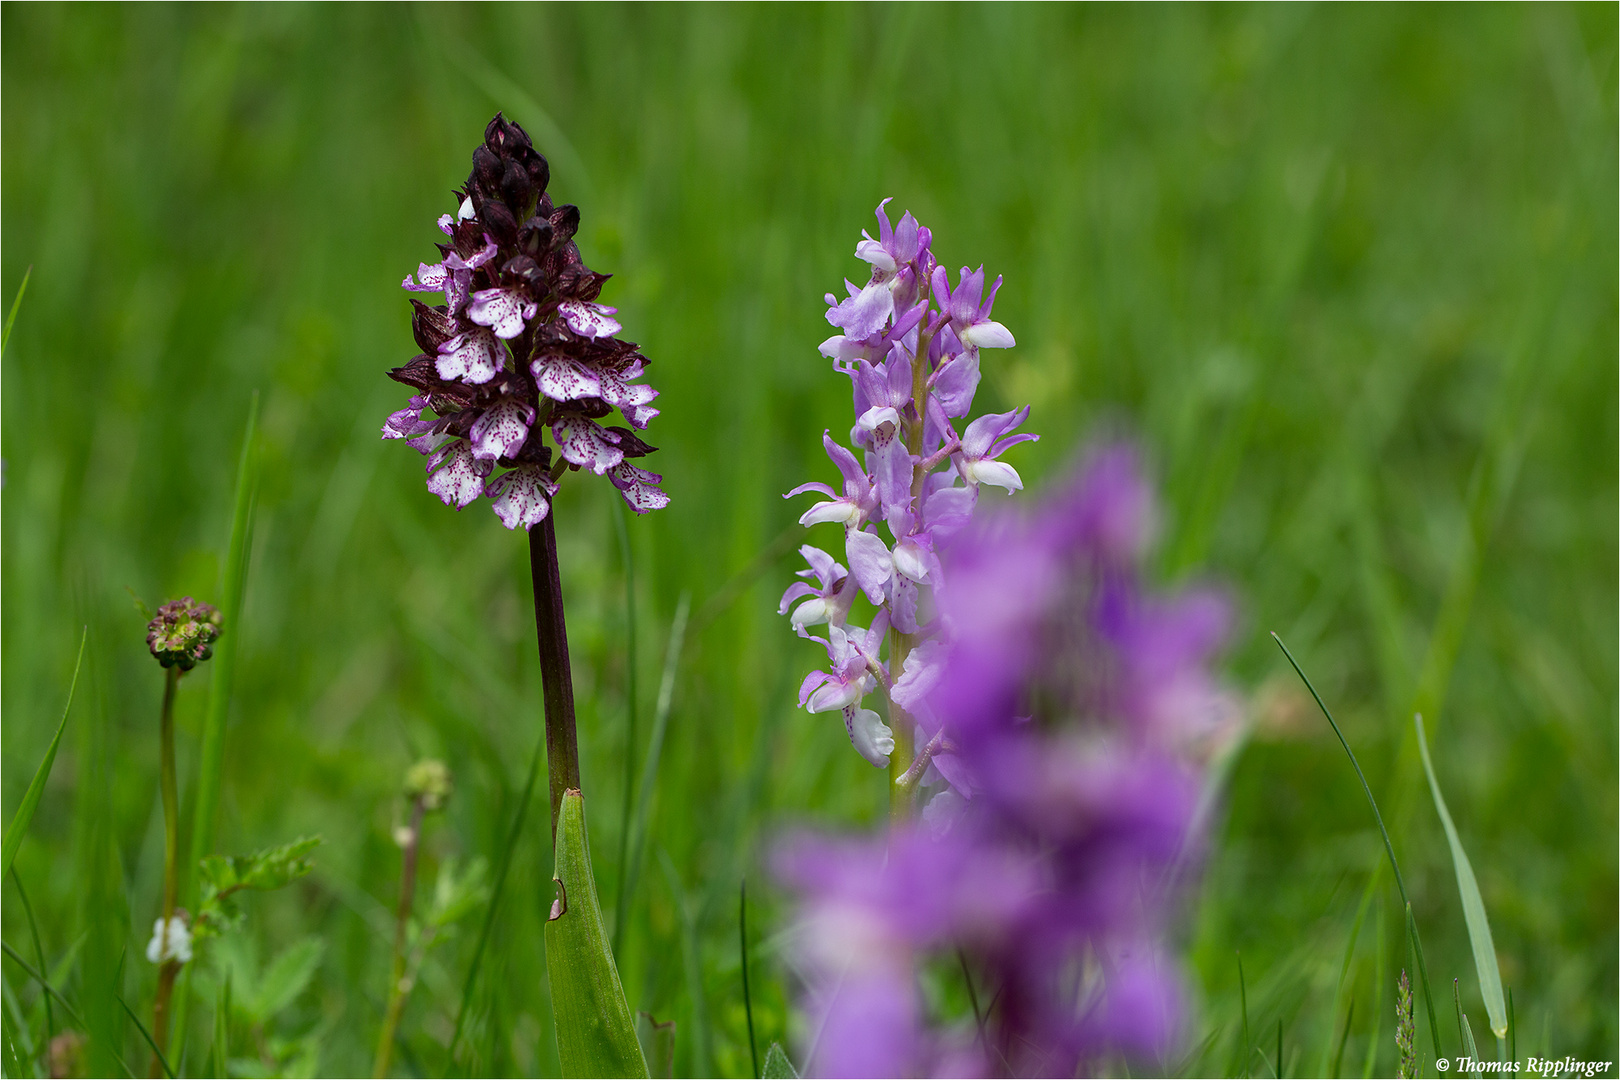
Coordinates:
177 947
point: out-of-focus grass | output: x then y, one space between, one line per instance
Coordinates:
1349 272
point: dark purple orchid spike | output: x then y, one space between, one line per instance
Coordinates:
520 349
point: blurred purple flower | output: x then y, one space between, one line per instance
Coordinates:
1067 703
519 348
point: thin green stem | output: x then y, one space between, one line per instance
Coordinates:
398 983
169 789
748 1000
39 951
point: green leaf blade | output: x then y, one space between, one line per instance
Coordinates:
36 787
777 1065
212 759
596 1034
1479 927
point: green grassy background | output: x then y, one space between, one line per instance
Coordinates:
1349 273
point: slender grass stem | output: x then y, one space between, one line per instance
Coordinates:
1243 1002
398 983
39 951
625 816
655 749
1338 1055
1389 848
171 874
495 895
551 633
748 1000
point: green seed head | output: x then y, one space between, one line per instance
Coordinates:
429 780
183 632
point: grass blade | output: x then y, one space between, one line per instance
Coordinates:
777 1065
1243 999
212 759
163 1061
1389 848
1479 927
655 748
39 953
1338 1055
596 1034
222 1028
1465 1032
495 895
28 969
748 1001
36 787
1423 977
621 911
16 303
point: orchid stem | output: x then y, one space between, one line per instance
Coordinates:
171 872
551 632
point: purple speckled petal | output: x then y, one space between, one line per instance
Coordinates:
589 320
502 429
585 443
502 310
522 496
638 487
562 378
471 357
455 476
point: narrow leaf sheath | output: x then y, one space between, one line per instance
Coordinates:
596 1034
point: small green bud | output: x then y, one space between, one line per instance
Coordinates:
183 632
428 780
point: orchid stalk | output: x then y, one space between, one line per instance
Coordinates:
522 350
911 348
180 636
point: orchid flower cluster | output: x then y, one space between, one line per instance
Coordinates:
1081 709
520 346
910 347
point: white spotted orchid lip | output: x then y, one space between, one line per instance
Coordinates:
473 357
455 476
589 320
502 310
522 496
638 487
501 429
586 443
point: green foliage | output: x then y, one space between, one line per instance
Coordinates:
1479 927
777 1065
596 1034
225 876
36 787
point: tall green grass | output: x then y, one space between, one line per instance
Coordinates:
1349 273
